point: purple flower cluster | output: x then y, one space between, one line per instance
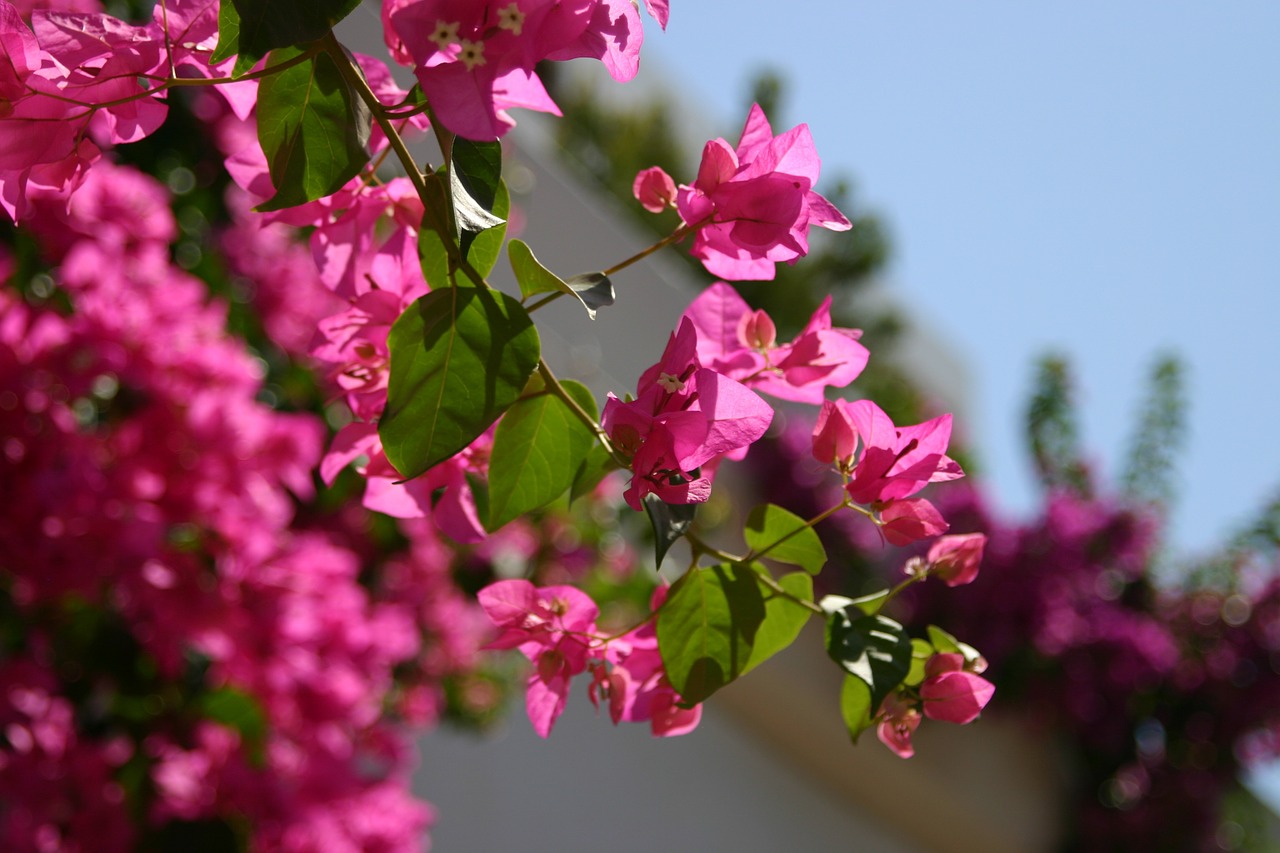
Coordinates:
1163 694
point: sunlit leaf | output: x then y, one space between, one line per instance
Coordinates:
537 449
786 536
719 622
459 358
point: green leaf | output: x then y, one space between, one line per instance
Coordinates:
433 250
312 128
706 628
598 464
592 290
876 649
236 710
240 711
531 275
229 38
868 604
670 522
475 173
855 706
786 537
485 249
718 623
921 651
459 358
946 643
783 617
537 449
263 25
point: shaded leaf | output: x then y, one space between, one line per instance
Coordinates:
459 358
264 25
670 522
786 536
313 130
206 835
598 465
475 175
433 243
537 450
593 289
875 649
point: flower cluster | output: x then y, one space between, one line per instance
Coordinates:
685 417
743 345
475 60
885 465
555 628
750 206
70 84
952 691
1166 692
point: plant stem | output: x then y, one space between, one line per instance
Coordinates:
766 580
820 517
554 386
912 579
674 237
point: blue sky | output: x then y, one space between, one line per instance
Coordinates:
1097 179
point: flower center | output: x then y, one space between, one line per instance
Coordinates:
471 54
446 33
511 18
670 384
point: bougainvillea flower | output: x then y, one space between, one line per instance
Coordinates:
896 462
951 693
835 439
955 559
907 521
654 189
442 494
742 344
475 58
637 684
684 416
753 205
551 626
898 720
660 9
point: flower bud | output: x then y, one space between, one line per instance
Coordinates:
654 189
955 559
